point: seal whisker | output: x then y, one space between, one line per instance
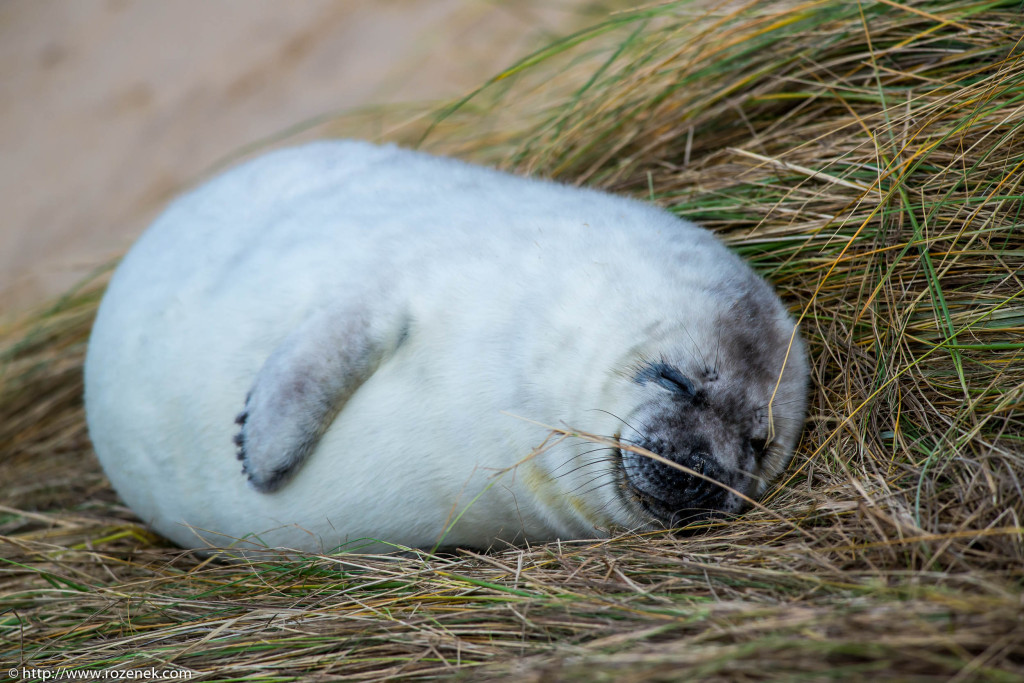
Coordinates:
588 465
585 464
718 349
620 419
764 406
598 487
703 361
603 454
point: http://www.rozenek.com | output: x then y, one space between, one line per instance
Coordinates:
60 673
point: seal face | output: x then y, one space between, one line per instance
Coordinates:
714 417
684 428
381 337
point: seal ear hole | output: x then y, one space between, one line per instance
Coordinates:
760 445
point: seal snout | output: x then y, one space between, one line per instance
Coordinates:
673 494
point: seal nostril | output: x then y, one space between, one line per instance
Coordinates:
698 462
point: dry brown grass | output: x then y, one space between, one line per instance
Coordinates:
868 159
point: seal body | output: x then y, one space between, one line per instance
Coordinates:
343 345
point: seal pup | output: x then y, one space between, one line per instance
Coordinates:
381 337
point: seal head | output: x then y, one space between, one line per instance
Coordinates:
724 419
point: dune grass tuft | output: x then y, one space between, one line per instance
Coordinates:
868 158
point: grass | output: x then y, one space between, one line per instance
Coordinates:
868 158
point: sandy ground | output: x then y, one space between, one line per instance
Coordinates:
110 107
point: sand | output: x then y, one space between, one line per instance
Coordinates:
108 108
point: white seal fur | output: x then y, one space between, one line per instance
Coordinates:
383 333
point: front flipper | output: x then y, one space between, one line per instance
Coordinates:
304 384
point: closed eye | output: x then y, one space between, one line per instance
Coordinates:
667 377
